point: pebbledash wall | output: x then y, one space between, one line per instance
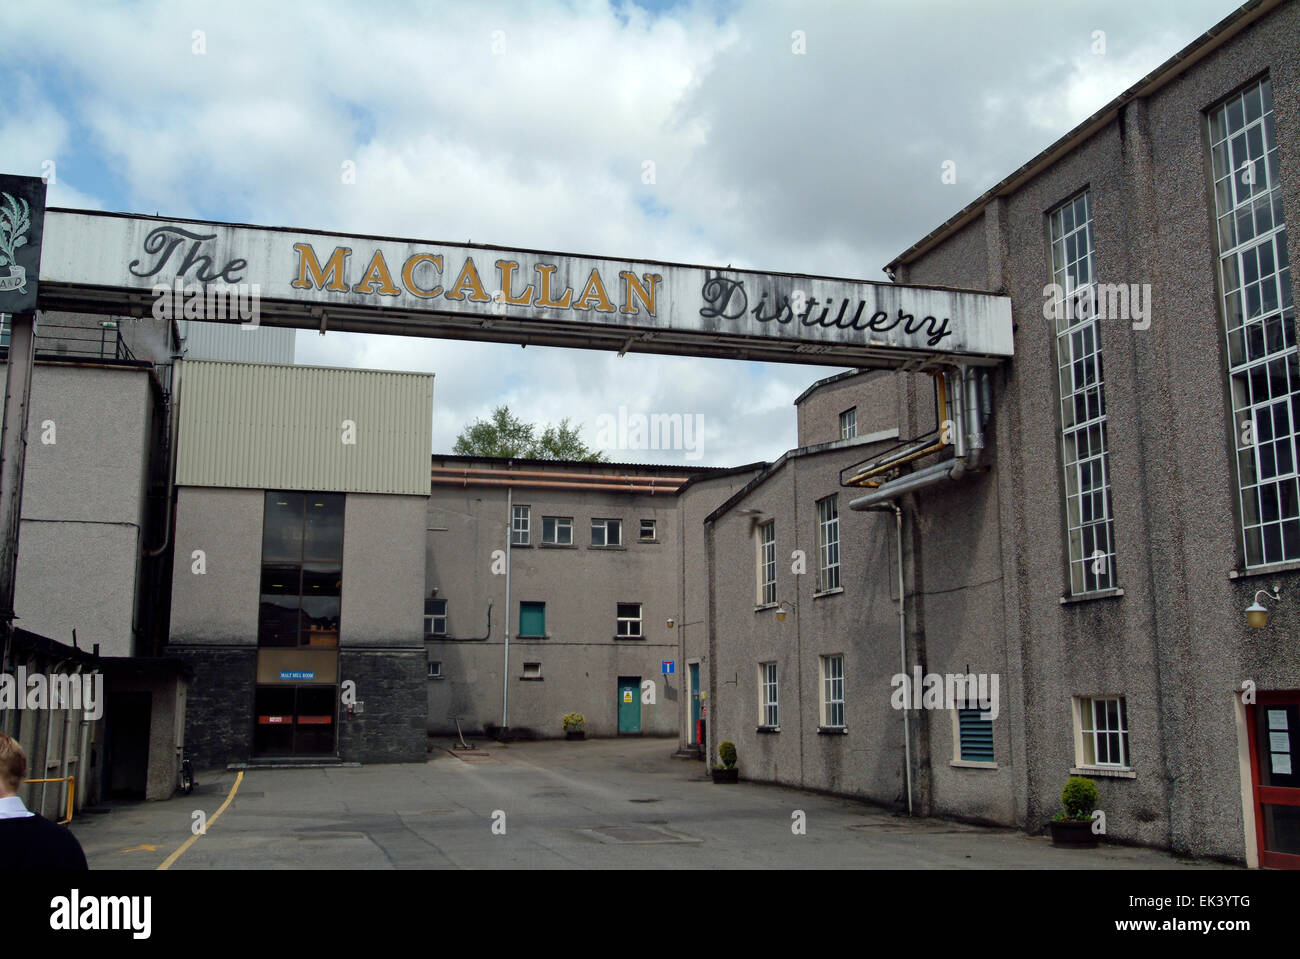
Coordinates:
250 429
991 580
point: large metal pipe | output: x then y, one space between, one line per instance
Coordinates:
557 474
542 484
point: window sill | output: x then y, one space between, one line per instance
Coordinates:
832 730
972 764
1095 594
648 541
531 679
611 548
1105 772
556 546
435 637
829 592
624 638
525 636
764 606
521 545
1268 570
431 678
768 729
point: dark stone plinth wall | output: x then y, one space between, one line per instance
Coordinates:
391 687
219 705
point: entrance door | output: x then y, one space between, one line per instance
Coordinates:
629 705
294 720
693 738
127 760
1274 727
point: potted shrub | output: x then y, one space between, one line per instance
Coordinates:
726 772
1072 828
575 726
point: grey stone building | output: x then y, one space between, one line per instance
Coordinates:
1121 517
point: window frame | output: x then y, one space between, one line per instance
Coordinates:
519 634
958 743
849 423
828 547
433 669
431 619
605 525
827 680
516 529
620 619
766 563
558 523
654 531
1085 726
769 691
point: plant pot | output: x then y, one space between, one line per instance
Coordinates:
731 775
575 734
1073 834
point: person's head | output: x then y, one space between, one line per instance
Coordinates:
13 766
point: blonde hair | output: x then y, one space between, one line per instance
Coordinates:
13 763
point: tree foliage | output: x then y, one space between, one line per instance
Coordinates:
507 436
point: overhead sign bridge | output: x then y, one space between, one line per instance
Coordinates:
119 264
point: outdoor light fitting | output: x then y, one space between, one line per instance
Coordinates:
1256 614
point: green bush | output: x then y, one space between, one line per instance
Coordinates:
1079 797
574 721
727 753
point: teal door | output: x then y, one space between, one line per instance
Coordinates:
695 704
629 704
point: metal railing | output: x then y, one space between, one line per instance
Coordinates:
72 792
100 340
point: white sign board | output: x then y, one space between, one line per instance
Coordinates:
113 263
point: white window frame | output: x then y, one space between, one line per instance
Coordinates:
767 564
1258 311
558 524
769 715
431 619
521 533
654 529
536 671
832 691
956 746
828 544
1087 733
849 423
434 669
1084 443
634 623
606 526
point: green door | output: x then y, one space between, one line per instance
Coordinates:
629 704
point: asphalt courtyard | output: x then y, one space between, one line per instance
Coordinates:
599 804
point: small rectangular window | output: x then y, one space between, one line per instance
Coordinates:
532 619
975 736
557 530
606 532
532 670
435 617
521 518
768 697
648 530
849 424
435 670
1103 728
629 621
833 692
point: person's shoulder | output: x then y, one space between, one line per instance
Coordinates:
47 844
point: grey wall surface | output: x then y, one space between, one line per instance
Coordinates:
84 499
383 571
219 606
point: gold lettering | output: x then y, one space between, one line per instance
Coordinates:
468 279
594 289
377 272
330 278
544 298
507 268
408 274
632 285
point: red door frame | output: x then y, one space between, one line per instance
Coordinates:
1276 795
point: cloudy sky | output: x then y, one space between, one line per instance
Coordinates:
529 125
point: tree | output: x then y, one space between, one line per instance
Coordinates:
507 436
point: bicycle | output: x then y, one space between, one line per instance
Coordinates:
185 775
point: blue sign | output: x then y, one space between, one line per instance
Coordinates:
670 667
297 674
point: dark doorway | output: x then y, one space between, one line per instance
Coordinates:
127 737
295 720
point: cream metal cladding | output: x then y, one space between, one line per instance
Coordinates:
262 426
111 263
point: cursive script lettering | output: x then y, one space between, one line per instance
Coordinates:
723 296
163 241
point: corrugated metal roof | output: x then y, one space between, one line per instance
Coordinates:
265 426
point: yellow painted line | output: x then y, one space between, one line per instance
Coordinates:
167 863
144 848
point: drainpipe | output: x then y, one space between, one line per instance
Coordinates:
902 654
505 672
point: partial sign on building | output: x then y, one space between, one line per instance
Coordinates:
22 227
97 262
669 667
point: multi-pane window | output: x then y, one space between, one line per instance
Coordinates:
629 620
767 676
767 563
302 569
532 619
1103 724
828 544
833 691
975 736
557 530
520 523
648 529
1259 317
606 532
849 424
1085 445
435 617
